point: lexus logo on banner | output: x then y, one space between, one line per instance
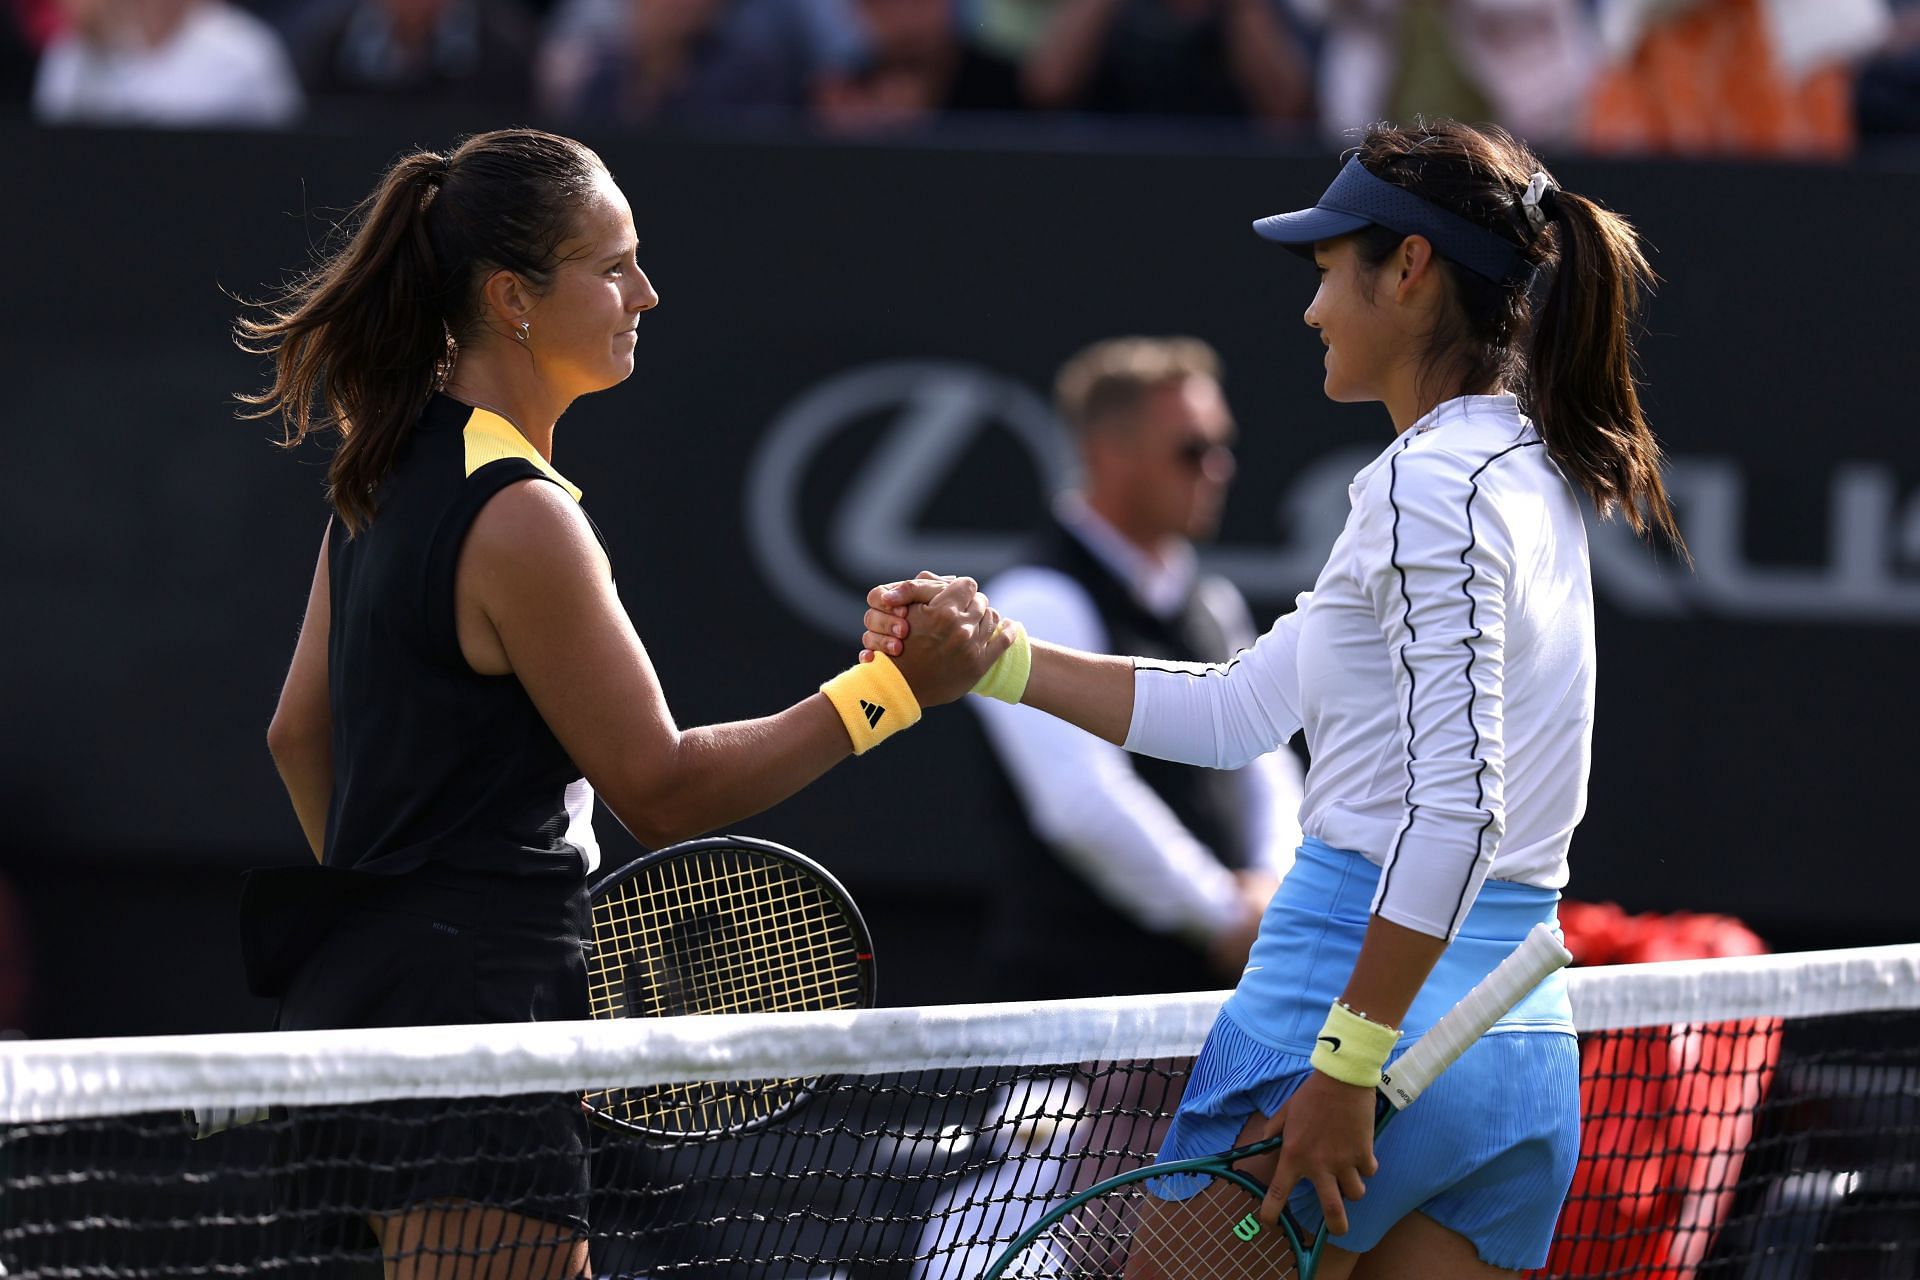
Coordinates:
929 414
926 417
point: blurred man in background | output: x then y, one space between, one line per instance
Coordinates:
1128 874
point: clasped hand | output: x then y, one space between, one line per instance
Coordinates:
1328 1130
955 634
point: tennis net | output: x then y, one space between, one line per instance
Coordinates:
1755 1118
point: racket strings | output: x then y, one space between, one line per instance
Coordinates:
772 939
798 956
724 930
1130 1234
796 953
1206 1238
802 957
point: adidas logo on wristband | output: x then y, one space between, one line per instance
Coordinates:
868 694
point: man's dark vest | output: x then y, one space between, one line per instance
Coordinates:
1050 935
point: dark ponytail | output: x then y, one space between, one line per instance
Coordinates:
1580 373
1565 349
362 341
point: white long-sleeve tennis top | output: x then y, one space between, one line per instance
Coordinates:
1442 669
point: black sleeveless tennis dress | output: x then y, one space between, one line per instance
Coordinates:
452 890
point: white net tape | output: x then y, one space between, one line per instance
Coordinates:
72 1079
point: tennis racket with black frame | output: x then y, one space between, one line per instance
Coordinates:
1119 1227
726 924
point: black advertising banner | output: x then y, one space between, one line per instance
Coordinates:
847 380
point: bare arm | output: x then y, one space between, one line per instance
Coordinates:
1266 61
1093 691
1057 71
536 572
1393 965
301 733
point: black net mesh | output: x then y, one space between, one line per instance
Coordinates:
1766 1148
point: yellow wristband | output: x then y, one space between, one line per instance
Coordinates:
874 701
1006 679
1352 1048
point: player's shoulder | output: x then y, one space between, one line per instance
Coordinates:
1452 462
1474 433
1455 488
533 523
1420 469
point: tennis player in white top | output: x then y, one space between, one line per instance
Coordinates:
1443 672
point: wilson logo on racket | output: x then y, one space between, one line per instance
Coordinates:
1247 1228
873 713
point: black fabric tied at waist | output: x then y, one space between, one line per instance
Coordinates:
287 912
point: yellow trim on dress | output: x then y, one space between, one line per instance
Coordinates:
490 437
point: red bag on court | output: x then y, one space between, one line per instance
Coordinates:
1666 1112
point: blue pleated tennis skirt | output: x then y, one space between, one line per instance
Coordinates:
1488 1151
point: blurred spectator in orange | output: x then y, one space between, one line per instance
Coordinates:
181 63
1172 58
640 60
915 67
1731 76
1887 97
461 54
1524 64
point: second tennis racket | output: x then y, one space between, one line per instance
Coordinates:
1119 1228
727 924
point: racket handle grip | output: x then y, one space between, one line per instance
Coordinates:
1538 955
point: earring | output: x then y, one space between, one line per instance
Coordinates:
522 330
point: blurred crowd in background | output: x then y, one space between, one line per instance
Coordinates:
1740 77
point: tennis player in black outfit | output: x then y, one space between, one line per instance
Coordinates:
467 678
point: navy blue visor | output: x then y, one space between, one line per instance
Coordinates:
1357 199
